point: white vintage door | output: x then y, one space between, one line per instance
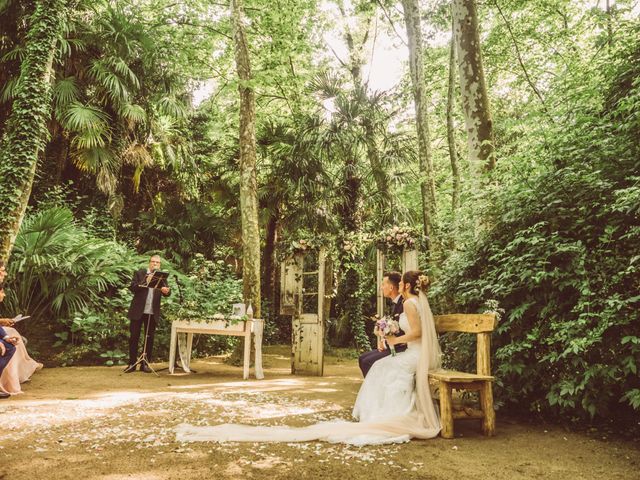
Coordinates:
303 283
290 285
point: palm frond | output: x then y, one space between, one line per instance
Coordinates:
15 54
9 89
327 84
172 107
66 46
134 114
79 117
95 160
89 138
65 91
106 181
118 65
137 155
114 87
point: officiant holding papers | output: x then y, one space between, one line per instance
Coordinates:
148 286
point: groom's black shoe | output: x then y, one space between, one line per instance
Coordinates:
145 368
5 395
129 369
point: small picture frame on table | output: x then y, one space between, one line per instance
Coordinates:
239 309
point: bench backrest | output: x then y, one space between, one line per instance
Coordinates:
480 324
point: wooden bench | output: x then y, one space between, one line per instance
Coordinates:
481 381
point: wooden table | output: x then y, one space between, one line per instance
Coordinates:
217 327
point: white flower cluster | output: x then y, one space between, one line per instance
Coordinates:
398 237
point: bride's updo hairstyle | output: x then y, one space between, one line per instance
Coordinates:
418 281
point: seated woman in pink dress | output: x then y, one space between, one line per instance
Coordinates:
21 366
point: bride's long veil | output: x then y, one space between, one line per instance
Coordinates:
423 422
430 360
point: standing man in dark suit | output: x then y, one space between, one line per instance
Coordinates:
144 308
391 290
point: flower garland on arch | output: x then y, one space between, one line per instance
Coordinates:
305 242
398 238
350 246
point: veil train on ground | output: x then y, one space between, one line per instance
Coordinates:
422 423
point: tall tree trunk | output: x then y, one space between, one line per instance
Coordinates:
451 135
26 131
420 99
386 206
248 175
270 265
473 88
380 175
609 23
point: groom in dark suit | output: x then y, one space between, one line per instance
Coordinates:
390 289
144 309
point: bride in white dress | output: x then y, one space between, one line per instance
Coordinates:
394 403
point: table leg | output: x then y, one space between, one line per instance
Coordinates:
172 348
258 327
189 347
247 355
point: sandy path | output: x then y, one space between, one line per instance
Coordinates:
96 423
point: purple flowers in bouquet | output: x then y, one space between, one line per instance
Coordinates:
387 326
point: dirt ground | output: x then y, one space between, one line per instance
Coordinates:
97 423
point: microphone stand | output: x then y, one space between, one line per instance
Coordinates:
142 359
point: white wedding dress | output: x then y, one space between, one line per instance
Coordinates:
389 387
393 405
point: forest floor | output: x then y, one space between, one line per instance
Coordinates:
97 423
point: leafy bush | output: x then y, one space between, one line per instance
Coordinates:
210 287
59 271
561 257
74 286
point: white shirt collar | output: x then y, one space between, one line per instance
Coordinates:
395 300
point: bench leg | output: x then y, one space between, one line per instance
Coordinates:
486 402
446 410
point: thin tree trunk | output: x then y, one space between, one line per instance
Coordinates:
385 205
473 88
26 131
356 60
451 135
355 51
269 278
609 11
521 62
248 175
420 98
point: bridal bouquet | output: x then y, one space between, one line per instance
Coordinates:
387 326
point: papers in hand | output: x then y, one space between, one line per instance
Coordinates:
19 318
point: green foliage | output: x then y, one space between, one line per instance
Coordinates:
211 287
58 268
561 257
73 284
